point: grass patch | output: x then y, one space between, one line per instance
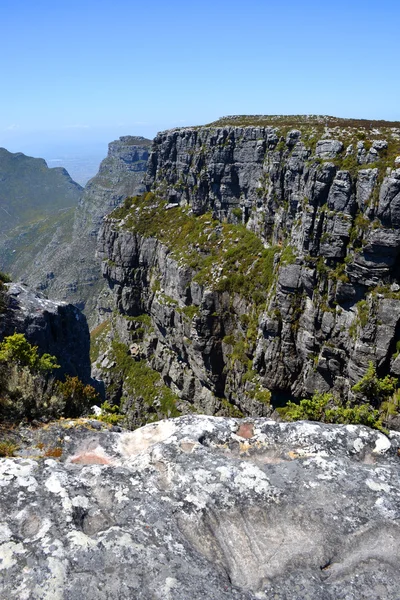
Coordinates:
98 340
8 448
142 382
225 257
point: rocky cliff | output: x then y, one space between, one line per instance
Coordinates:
57 328
200 507
265 258
61 259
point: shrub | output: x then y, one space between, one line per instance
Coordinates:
16 348
77 397
8 448
4 278
327 409
375 389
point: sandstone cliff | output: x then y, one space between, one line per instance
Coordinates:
61 259
266 257
57 328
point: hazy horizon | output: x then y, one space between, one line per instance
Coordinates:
78 75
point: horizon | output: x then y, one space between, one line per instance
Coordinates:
81 75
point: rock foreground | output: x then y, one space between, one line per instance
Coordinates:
201 507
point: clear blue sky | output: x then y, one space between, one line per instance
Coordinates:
85 72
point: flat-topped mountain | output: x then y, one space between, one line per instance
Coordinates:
263 263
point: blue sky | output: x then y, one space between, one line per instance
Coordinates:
81 73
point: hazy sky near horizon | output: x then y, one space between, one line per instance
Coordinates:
85 72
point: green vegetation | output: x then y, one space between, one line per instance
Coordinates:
381 396
28 389
98 340
16 348
288 256
76 396
142 383
375 389
4 278
191 311
111 414
226 257
230 410
237 212
8 448
31 190
297 121
326 408
363 312
362 317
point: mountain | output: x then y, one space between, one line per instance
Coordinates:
58 256
262 265
37 205
30 191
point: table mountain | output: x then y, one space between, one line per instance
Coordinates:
263 263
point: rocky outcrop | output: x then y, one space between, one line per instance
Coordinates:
201 507
65 267
322 198
57 328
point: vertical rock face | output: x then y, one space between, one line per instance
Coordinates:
57 328
321 194
67 268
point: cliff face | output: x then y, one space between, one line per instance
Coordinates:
67 267
56 328
316 202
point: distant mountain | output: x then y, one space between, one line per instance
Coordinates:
59 259
30 191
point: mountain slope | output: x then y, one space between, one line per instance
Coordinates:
65 266
29 191
266 259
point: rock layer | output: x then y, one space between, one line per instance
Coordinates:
201 507
57 328
325 197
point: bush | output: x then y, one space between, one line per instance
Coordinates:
326 408
4 278
16 348
375 389
76 396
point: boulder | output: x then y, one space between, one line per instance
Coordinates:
201 507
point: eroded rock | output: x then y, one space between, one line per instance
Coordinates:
201 507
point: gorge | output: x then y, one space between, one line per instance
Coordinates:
257 263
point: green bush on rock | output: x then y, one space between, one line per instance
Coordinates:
16 348
326 408
28 389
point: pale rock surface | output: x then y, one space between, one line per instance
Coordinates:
201 507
